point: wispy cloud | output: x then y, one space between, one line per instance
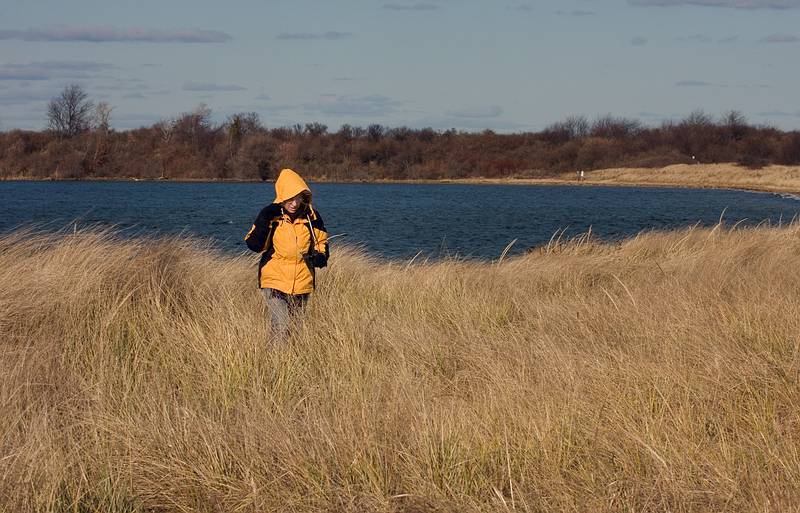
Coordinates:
576 13
134 96
521 7
693 83
446 122
47 70
491 111
735 4
694 38
779 114
347 105
123 85
24 97
331 35
411 7
263 97
208 87
703 83
729 39
126 120
116 35
639 41
780 38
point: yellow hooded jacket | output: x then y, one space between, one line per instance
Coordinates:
286 244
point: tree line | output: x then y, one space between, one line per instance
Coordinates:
79 144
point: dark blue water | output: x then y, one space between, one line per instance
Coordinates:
390 220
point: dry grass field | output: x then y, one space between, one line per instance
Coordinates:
771 178
661 373
779 179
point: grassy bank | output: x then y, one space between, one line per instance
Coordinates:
770 178
701 176
721 176
658 374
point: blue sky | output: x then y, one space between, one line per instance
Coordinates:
465 64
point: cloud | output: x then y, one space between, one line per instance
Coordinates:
577 13
492 111
347 105
446 122
263 97
330 35
411 7
116 35
521 7
47 70
735 4
693 83
639 41
694 38
208 87
273 109
780 38
702 83
22 97
729 39
127 120
650 115
134 84
779 114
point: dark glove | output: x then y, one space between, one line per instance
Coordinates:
316 259
319 259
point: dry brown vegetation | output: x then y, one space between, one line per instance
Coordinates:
191 146
655 374
769 178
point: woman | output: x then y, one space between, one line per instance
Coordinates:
291 237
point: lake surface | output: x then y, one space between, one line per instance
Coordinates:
390 220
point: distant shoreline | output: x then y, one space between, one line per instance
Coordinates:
773 179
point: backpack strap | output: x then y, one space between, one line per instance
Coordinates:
312 248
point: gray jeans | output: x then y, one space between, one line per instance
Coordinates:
282 308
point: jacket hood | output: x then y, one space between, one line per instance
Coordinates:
288 185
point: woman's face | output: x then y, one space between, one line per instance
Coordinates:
293 204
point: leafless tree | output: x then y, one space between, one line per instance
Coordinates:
243 124
613 127
316 129
736 124
101 117
70 113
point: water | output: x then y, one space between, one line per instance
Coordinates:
390 220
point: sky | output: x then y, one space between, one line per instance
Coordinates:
464 64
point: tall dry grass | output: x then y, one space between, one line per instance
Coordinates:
772 178
657 374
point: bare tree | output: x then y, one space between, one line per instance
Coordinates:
101 117
194 127
736 124
239 126
612 127
243 124
316 129
70 112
